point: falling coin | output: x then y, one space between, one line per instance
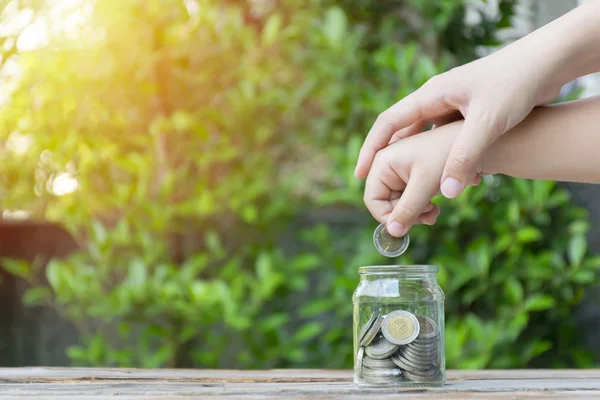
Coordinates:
388 245
400 327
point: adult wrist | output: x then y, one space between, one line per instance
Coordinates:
575 42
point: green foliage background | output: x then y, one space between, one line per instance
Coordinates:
214 142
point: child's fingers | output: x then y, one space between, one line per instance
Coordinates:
411 204
382 186
430 206
476 181
430 217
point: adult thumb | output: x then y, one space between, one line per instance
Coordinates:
477 134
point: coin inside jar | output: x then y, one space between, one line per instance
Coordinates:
428 328
400 327
365 328
359 360
388 245
372 331
381 348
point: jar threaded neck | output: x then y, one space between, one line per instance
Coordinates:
397 269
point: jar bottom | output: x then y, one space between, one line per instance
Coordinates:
398 382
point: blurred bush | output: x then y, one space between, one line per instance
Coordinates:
212 144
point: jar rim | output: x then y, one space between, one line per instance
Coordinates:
398 269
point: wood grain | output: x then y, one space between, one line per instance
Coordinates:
100 384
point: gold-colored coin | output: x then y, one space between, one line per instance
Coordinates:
400 327
387 244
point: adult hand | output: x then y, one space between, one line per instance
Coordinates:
492 94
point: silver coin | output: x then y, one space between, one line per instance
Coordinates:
372 332
425 342
417 364
418 353
417 361
388 245
400 327
374 363
381 348
428 328
387 381
422 348
365 327
426 373
422 378
407 365
419 358
382 373
400 363
359 360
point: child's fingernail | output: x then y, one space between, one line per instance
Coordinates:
396 229
451 188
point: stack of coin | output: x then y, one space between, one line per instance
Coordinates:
420 359
396 346
373 360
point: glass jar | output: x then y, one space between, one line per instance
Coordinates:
398 327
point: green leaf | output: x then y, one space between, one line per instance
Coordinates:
271 29
306 262
579 228
249 214
53 275
316 307
76 353
137 276
513 212
36 296
529 234
98 232
479 256
516 325
16 267
335 25
539 302
558 198
213 242
583 276
308 331
513 290
577 249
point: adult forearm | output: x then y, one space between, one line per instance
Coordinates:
570 44
560 51
560 142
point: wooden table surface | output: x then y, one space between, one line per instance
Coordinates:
93 383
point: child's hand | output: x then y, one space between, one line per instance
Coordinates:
406 175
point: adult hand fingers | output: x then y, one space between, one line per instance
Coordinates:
426 103
446 119
381 188
478 132
415 128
